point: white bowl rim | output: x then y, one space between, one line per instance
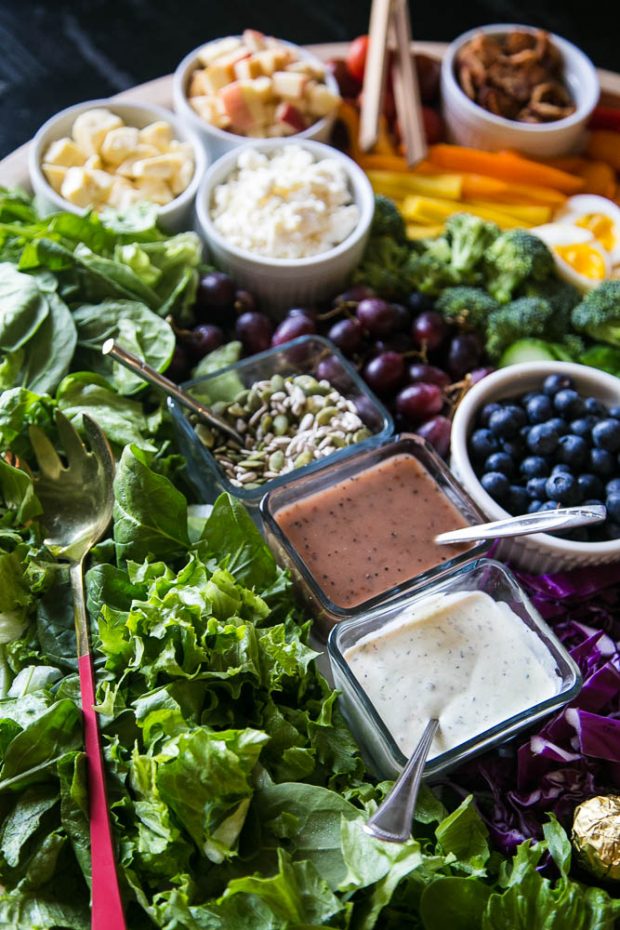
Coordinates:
118 106
568 50
354 172
463 420
179 80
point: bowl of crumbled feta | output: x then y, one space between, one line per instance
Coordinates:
105 154
287 220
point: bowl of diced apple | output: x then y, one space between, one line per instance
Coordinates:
107 154
238 89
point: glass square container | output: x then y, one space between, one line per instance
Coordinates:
377 744
300 356
326 610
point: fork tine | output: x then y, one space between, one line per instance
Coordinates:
99 443
45 453
75 450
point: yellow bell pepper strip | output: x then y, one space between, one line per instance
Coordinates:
434 210
531 214
421 231
395 184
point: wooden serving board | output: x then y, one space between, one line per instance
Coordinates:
14 168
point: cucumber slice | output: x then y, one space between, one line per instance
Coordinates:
533 350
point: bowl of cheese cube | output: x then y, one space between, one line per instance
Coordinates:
107 154
242 88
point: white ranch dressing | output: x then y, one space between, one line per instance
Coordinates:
464 658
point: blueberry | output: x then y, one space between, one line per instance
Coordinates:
534 466
486 412
594 407
554 383
612 503
537 489
539 408
583 426
602 463
542 439
561 469
526 398
615 412
559 424
496 484
606 435
548 505
518 499
573 450
613 486
500 461
534 506
568 403
513 447
507 422
591 486
563 488
483 443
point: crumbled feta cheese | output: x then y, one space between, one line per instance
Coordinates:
284 204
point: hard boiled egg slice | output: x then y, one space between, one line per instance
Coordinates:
597 214
580 259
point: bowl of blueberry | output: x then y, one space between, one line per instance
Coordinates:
538 436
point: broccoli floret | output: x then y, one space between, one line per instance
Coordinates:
384 267
470 306
515 257
431 272
387 221
598 314
469 237
525 318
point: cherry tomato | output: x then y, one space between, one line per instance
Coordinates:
356 57
433 125
348 86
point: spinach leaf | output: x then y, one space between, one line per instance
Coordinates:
464 834
122 420
50 350
457 903
22 307
41 744
228 385
231 538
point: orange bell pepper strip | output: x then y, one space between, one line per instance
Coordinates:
503 165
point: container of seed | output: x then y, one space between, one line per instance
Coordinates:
297 407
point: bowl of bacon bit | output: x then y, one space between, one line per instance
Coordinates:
516 87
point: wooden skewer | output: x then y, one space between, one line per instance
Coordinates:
375 73
406 88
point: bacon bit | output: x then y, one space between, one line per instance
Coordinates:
517 76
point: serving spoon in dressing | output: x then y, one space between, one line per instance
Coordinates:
392 819
564 518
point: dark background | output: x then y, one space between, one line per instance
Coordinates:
59 52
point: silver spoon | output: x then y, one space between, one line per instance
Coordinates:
392 819
144 371
563 518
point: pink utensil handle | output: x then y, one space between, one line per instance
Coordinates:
107 907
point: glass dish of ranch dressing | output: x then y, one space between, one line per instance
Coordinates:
469 650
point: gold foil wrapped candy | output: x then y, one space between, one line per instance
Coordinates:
596 836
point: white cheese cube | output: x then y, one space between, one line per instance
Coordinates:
126 168
55 175
186 149
181 179
120 194
158 134
119 144
160 166
213 50
103 181
79 188
90 128
155 190
93 163
64 152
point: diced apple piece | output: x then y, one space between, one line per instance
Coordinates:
198 84
119 144
253 40
321 100
211 110
79 188
55 175
291 116
271 59
155 190
307 67
289 84
243 105
64 152
160 166
213 50
262 87
247 68
215 77
158 134
91 127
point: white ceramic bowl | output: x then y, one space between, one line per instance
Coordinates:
540 552
467 123
281 283
174 216
217 141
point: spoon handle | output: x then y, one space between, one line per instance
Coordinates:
561 519
392 819
147 373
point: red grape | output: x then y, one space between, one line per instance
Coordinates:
216 291
347 334
419 371
254 330
354 294
419 302
376 316
385 372
429 329
402 318
479 373
437 432
397 342
244 301
292 327
330 369
303 311
419 401
464 354
201 340
179 367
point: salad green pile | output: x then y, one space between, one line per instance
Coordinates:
236 791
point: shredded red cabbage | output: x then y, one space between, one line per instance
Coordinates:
576 753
